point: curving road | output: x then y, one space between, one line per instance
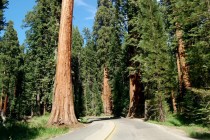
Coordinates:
133 129
81 134
123 129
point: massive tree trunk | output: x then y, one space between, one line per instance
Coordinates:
137 100
182 57
106 95
63 105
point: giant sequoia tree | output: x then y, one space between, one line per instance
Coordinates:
63 105
187 23
103 30
136 107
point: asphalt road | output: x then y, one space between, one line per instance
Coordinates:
133 129
123 129
82 133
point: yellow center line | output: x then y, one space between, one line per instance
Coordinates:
111 133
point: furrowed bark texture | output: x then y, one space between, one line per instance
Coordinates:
137 100
182 57
106 95
63 105
179 74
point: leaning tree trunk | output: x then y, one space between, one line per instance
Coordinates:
182 57
63 105
137 100
106 95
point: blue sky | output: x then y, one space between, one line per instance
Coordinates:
84 12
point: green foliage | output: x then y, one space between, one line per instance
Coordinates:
149 54
77 44
197 109
11 61
193 17
42 38
3 5
35 128
194 131
91 85
108 35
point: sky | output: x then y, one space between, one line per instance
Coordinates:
84 12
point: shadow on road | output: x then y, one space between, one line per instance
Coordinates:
94 119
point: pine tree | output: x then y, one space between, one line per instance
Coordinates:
90 80
42 40
154 57
190 20
3 5
10 68
136 107
77 44
117 67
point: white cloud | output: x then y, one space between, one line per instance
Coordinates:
91 9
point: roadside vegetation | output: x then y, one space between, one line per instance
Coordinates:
193 130
32 129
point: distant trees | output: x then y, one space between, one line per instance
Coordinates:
102 33
41 48
10 72
136 107
77 55
90 78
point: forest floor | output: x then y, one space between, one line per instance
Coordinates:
192 130
35 128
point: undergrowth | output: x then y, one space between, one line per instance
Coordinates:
33 129
193 130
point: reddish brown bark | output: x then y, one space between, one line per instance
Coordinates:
106 95
182 57
173 100
63 105
5 104
137 100
179 73
1 103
